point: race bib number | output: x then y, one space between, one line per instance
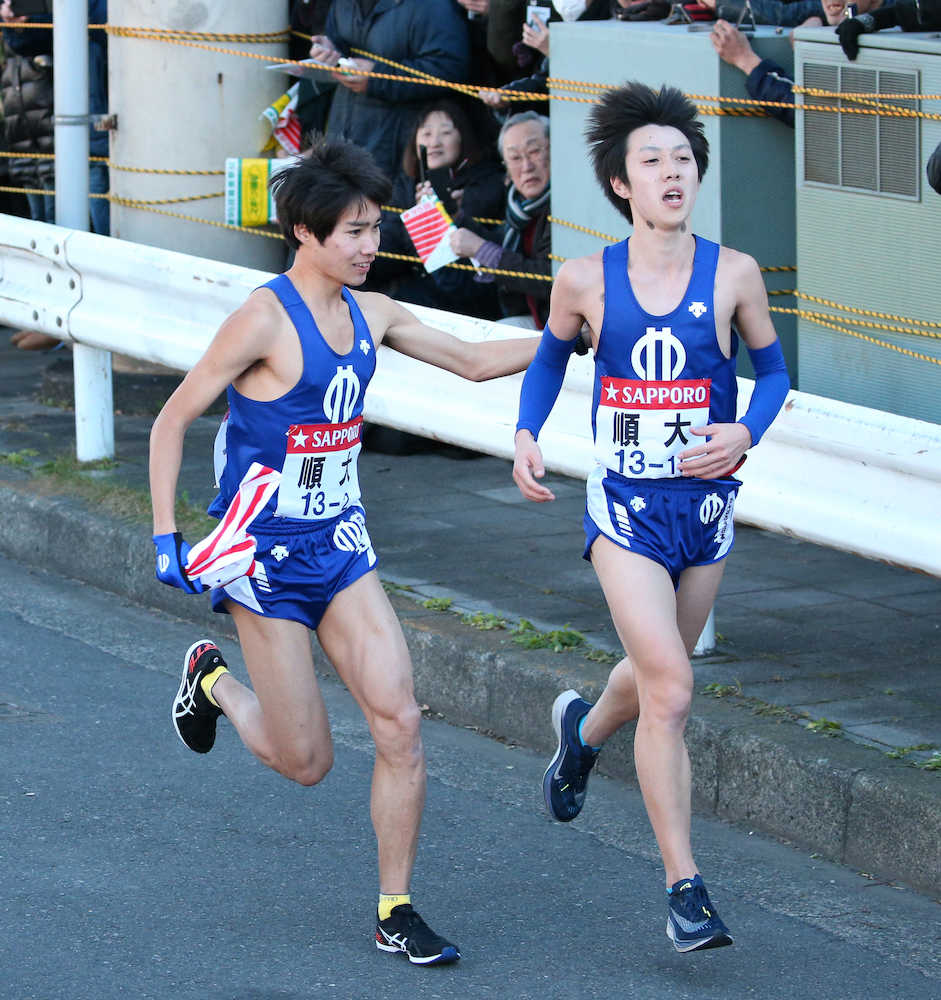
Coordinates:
320 478
641 426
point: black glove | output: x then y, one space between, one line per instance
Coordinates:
848 32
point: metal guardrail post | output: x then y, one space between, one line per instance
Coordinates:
706 643
94 408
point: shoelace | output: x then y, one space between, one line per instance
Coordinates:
695 903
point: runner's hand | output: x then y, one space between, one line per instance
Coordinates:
718 456
171 555
528 467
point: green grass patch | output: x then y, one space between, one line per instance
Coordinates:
89 482
825 726
601 656
558 639
437 603
484 621
18 459
717 690
932 764
900 752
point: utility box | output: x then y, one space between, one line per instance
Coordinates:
747 196
868 223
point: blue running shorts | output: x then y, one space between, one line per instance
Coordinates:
298 571
676 522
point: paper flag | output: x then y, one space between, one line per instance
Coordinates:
429 226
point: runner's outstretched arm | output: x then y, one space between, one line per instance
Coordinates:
474 360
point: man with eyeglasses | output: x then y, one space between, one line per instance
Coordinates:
525 238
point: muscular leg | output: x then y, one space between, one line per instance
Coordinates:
283 721
645 610
619 703
363 639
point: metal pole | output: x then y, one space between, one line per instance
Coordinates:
94 408
706 643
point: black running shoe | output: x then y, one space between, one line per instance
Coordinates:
404 930
692 921
194 715
566 778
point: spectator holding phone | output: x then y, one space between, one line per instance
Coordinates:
445 158
532 49
428 36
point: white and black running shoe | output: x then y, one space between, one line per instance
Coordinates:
194 715
404 930
565 782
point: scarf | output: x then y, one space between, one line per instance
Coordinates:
520 212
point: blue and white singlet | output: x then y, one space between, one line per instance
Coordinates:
657 376
312 434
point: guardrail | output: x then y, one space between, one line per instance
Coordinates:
842 475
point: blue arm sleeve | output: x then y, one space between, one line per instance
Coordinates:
542 381
771 386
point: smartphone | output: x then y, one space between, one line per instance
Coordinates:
440 181
31 8
422 164
534 10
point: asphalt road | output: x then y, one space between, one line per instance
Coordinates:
130 867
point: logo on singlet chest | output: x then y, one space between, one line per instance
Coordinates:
320 478
643 424
658 356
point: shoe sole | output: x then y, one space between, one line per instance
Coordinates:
179 693
450 954
719 940
559 706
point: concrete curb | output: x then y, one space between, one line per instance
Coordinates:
830 796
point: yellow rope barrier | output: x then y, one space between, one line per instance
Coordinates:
744 107
19 190
815 318
874 105
158 170
158 34
866 312
140 202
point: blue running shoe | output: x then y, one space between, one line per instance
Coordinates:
692 921
566 778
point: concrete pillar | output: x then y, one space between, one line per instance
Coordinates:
188 109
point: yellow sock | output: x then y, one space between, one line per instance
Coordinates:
207 682
387 903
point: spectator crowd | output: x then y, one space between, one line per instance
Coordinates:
484 156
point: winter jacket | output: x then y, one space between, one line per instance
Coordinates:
770 82
26 89
516 290
426 35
